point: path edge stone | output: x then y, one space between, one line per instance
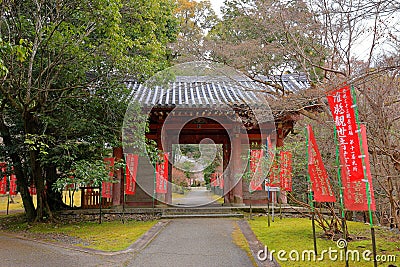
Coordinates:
255 245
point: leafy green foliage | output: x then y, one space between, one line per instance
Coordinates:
63 65
92 173
37 143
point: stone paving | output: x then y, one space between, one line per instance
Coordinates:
180 242
194 242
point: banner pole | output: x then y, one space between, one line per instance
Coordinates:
270 194
123 208
341 196
268 179
123 188
155 184
268 199
367 188
101 200
248 175
310 197
8 202
269 223
280 205
273 209
8 196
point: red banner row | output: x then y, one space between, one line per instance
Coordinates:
280 173
3 181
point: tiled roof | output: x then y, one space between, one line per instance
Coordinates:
206 91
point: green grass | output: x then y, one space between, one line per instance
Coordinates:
296 234
108 236
217 198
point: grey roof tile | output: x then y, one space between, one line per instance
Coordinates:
212 91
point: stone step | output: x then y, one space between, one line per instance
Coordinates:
203 215
197 211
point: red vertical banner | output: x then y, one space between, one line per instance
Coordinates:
131 171
342 108
221 180
106 187
355 194
3 181
274 175
320 184
256 170
286 171
13 184
367 166
32 190
270 148
213 179
3 185
162 175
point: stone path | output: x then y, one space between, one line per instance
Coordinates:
196 197
181 242
184 242
194 242
31 253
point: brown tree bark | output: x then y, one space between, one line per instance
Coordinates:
22 181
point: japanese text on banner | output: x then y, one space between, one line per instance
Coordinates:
107 186
162 175
131 171
341 105
355 197
319 177
256 170
3 179
286 171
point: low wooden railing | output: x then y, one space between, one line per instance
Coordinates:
90 198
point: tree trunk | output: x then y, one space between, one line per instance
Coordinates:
54 198
37 175
22 180
31 127
392 202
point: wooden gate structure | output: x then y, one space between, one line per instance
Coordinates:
190 111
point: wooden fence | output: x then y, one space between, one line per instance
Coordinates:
90 198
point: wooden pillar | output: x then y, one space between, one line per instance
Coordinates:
118 188
279 143
280 135
168 195
227 172
159 197
236 168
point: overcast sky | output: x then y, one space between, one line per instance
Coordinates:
361 51
216 4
